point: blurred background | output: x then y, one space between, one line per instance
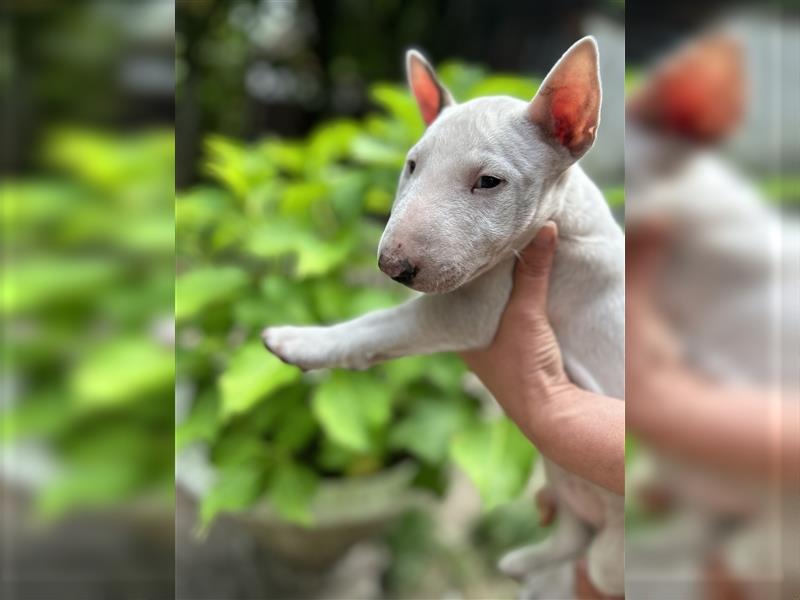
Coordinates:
293 121
250 68
86 416
712 187
131 317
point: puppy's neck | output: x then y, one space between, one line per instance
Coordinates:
579 208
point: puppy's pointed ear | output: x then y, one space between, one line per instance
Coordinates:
432 97
697 92
567 106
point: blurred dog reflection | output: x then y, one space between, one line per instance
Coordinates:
724 287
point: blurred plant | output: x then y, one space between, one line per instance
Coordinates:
288 235
87 299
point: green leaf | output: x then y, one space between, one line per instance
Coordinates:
284 301
41 417
122 371
372 151
29 204
236 488
615 196
329 143
277 237
403 371
252 374
497 457
401 105
89 486
296 428
299 197
446 371
240 169
291 491
460 78
200 288
116 164
287 155
351 406
633 79
427 430
106 463
318 258
378 200
505 85
199 208
240 448
335 457
632 447
201 424
36 283
346 191
314 255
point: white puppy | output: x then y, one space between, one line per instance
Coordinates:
484 178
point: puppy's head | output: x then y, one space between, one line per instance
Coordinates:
476 185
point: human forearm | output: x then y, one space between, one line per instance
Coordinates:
750 433
595 445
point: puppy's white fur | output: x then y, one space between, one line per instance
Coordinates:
463 241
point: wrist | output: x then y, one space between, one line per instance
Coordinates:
548 396
549 384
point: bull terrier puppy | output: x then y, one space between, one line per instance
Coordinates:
477 187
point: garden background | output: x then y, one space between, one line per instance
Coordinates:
282 125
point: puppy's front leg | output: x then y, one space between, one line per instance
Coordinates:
460 320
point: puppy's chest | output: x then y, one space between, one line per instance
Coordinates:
588 320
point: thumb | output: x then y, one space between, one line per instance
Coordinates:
532 273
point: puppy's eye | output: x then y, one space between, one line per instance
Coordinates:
411 166
487 181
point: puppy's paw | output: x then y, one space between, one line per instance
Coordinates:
311 348
299 346
521 562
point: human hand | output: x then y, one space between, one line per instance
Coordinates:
581 431
524 359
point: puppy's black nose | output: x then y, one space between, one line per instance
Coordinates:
397 267
407 275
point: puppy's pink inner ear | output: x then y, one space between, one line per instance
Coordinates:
567 107
568 111
427 93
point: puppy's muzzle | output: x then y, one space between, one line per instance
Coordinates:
399 269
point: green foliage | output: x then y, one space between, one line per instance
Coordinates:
429 425
351 407
200 289
124 370
292 490
496 456
236 488
251 375
88 288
